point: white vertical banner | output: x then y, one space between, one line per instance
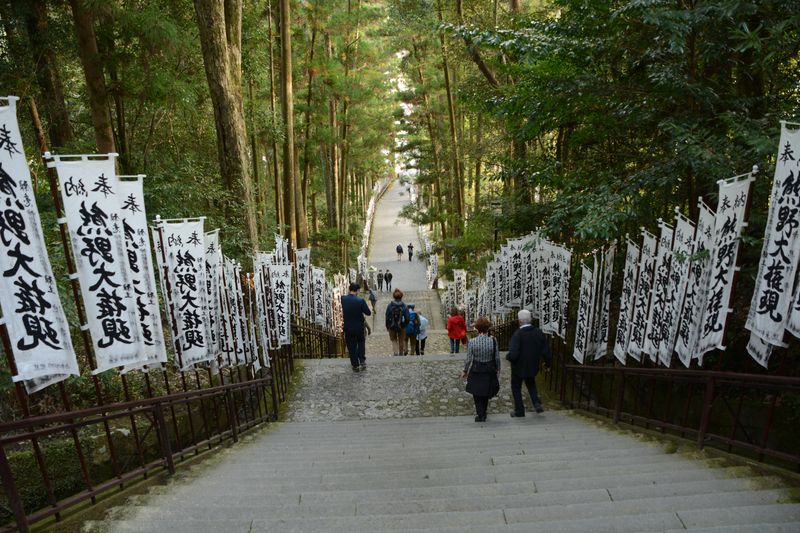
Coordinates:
627 300
656 332
281 252
794 314
280 279
771 307
584 319
433 274
92 211
733 194
318 295
515 274
213 264
231 278
184 246
644 284
565 265
492 287
140 266
696 286
527 273
37 327
682 245
604 301
503 278
303 257
549 303
460 287
538 261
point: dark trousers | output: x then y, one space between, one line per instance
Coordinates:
516 392
421 346
380 284
355 347
454 344
481 404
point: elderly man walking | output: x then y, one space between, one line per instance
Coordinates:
528 345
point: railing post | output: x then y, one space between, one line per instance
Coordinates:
163 437
620 395
708 403
563 363
10 488
232 415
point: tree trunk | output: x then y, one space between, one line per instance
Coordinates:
220 28
307 125
280 218
478 157
260 185
333 156
34 13
93 72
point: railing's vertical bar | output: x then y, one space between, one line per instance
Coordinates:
207 432
708 404
12 495
768 427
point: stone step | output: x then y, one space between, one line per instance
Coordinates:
755 514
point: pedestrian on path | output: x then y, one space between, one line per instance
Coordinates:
380 279
410 251
412 329
456 329
528 345
372 298
388 279
353 310
399 250
481 366
396 321
422 336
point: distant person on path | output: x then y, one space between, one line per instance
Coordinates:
353 310
456 329
527 345
399 250
412 329
481 367
396 321
372 298
410 251
388 279
422 336
380 280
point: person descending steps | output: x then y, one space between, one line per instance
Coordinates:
380 279
399 250
354 308
410 249
412 329
388 279
397 318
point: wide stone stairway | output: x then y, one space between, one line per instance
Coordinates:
372 452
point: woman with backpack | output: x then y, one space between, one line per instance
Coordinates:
412 329
396 321
456 329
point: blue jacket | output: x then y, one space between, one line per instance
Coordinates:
353 310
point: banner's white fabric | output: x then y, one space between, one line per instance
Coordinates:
515 258
759 349
584 319
656 332
280 278
565 265
37 327
682 245
627 301
164 282
460 287
696 286
770 308
793 324
140 266
604 301
213 258
184 245
92 210
303 256
231 278
318 295
281 252
728 225
641 305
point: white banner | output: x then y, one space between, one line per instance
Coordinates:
641 306
213 264
515 272
140 266
770 308
728 226
318 295
37 327
696 286
604 301
627 301
92 210
584 319
184 245
564 263
549 319
682 245
460 287
280 279
759 350
281 252
657 331
237 323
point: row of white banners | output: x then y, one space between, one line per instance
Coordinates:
213 310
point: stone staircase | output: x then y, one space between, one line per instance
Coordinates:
366 470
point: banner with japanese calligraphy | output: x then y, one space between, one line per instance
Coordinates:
267 319
584 319
280 279
89 192
515 272
281 253
564 265
696 286
728 225
460 287
140 266
303 257
604 301
184 246
657 330
793 326
770 308
627 301
433 269
682 245
231 273
318 295
492 287
213 264
37 327
641 304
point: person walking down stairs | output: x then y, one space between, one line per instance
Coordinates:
456 329
410 249
481 366
399 250
412 329
525 349
422 336
397 319
354 308
380 279
388 279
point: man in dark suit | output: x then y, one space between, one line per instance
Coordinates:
525 349
353 310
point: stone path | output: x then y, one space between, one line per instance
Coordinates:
345 462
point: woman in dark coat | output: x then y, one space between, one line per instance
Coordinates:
481 367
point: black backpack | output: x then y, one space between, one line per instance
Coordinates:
396 317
